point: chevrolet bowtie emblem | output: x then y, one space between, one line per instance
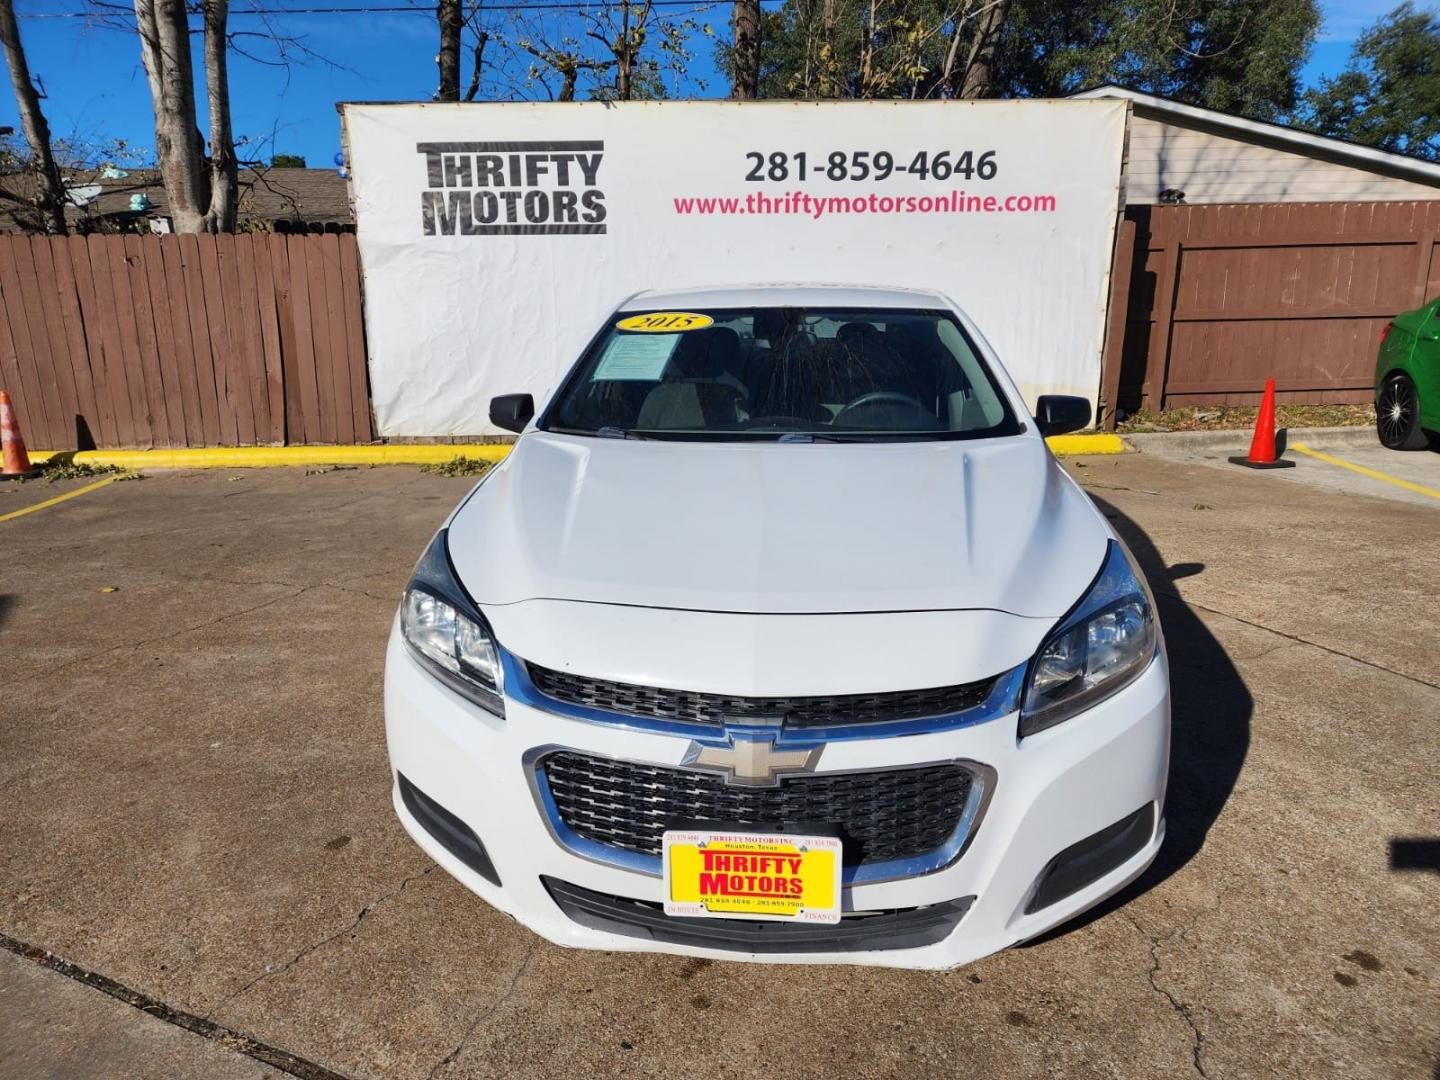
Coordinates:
751 761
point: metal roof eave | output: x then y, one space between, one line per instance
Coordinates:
1276 135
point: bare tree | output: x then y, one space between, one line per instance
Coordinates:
745 22
482 38
608 50
626 44
564 59
201 191
224 178
165 51
49 191
448 60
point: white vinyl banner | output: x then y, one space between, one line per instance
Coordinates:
495 238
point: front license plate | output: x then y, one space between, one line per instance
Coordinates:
752 876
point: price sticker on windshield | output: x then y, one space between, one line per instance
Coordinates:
664 322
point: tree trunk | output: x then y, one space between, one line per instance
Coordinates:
979 72
745 19
224 184
829 65
480 41
867 54
949 74
448 12
49 191
165 50
623 55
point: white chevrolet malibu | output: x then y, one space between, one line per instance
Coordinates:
780 635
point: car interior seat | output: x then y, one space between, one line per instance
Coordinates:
700 388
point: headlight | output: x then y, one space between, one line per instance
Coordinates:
448 635
1107 639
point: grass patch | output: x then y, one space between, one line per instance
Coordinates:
459 465
1239 417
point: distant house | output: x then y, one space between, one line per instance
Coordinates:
112 200
1183 153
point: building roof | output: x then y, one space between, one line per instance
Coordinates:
304 199
1277 135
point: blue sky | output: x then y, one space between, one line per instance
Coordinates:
97 89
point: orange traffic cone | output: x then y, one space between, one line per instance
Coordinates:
1262 445
16 462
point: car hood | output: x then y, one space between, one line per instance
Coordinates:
780 528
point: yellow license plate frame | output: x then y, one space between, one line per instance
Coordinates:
720 874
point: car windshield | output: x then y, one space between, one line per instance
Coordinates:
791 373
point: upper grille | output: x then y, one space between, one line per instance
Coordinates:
881 815
716 709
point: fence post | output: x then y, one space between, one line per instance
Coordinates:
1422 264
1157 364
1121 272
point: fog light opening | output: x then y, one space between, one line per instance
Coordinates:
448 830
1091 859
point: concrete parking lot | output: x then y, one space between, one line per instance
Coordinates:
200 873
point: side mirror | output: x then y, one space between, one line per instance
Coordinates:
1057 413
513 411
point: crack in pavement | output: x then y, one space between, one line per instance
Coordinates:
229 1038
289 585
1180 1008
299 590
1297 639
1231 659
136 645
520 970
354 924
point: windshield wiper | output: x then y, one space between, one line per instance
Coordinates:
607 432
861 436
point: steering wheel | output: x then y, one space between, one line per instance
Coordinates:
882 397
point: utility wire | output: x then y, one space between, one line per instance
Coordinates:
572 5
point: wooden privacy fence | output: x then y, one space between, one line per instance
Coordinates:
1213 300
140 341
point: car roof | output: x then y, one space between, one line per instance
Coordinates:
784 295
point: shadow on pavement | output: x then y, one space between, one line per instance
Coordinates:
1211 710
1415 853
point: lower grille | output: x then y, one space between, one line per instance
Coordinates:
901 928
828 710
879 816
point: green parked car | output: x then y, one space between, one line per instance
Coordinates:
1407 379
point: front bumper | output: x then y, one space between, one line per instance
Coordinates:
1051 792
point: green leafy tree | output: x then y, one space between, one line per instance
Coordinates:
1241 56
287 161
1389 94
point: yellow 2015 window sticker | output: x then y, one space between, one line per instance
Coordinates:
664 322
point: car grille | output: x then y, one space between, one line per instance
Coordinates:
716 709
879 816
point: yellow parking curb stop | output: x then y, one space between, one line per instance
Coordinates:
1089 443
268 457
